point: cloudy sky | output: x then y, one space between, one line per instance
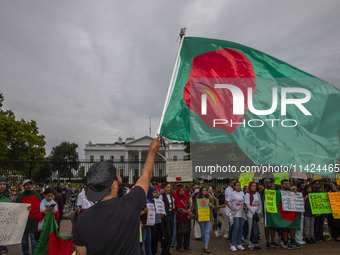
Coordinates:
96 70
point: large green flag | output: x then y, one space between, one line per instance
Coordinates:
224 92
283 219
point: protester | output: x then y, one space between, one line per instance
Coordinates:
298 233
46 205
73 199
228 191
64 194
235 202
183 219
31 197
309 218
205 225
254 205
245 222
168 220
157 230
60 201
39 188
319 219
197 229
146 232
333 223
269 185
3 198
221 214
111 212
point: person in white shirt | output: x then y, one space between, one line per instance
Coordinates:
254 205
235 202
228 191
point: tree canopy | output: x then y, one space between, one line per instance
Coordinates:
19 139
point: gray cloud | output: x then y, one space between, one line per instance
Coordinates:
98 69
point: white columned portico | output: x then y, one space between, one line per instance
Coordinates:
126 159
139 164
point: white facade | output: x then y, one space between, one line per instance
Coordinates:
134 151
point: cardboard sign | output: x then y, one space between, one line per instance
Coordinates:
151 215
337 176
179 171
336 215
298 175
159 204
317 177
292 202
13 219
203 209
245 178
319 203
334 199
271 201
280 176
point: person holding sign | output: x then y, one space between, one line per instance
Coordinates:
146 232
332 222
253 203
183 220
320 218
3 198
205 224
235 204
309 218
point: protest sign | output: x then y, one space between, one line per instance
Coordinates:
159 204
319 203
281 176
292 201
337 176
334 199
271 201
317 177
336 215
298 175
245 178
203 209
179 171
151 215
13 218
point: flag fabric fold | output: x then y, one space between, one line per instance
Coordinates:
225 92
50 242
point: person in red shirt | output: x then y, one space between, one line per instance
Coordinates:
43 207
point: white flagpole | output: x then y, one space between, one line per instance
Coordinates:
182 35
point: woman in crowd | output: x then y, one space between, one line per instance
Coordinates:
309 218
205 225
73 199
221 214
235 203
156 230
214 196
46 205
333 223
146 232
254 205
183 220
245 223
197 229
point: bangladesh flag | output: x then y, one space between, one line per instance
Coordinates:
50 242
224 92
283 219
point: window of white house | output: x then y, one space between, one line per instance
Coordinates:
91 158
175 158
101 158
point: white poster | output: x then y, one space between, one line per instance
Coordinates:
292 202
298 175
13 218
151 214
159 204
179 171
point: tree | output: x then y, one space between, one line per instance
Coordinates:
66 158
19 140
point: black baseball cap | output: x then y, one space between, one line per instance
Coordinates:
99 180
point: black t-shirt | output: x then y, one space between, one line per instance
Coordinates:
112 226
60 201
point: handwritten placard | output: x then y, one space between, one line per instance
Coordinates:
298 175
292 202
271 201
245 178
203 209
334 199
317 177
13 219
280 176
151 215
319 203
179 171
159 204
337 176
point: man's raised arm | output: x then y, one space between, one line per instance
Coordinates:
145 178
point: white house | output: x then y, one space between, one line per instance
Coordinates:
130 155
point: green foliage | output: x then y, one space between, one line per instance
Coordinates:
67 156
19 140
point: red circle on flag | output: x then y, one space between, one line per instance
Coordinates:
203 203
290 216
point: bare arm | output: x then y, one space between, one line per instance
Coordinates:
80 250
145 178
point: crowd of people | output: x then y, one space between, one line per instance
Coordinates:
234 213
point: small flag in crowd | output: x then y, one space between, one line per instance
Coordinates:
224 92
50 242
